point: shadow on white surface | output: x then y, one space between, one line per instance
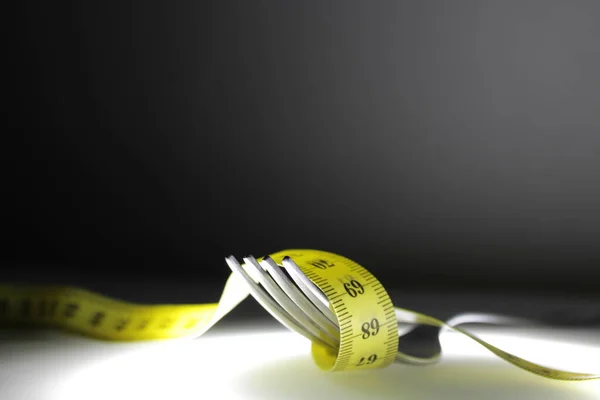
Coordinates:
253 365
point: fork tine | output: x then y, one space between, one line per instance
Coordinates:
309 289
287 304
269 304
298 297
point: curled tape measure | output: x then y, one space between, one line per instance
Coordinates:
356 326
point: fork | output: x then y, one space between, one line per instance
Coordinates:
299 305
302 307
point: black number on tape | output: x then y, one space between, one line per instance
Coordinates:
71 310
354 288
322 264
370 329
167 323
368 360
143 325
122 324
97 318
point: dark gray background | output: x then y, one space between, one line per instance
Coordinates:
448 144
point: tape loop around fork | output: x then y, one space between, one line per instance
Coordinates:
365 315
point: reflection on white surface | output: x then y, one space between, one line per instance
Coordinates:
278 365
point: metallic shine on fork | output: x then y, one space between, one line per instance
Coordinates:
302 307
284 305
299 305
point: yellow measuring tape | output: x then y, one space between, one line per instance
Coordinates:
368 334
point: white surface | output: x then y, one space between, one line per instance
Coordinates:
277 365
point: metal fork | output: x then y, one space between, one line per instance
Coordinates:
299 304
301 307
